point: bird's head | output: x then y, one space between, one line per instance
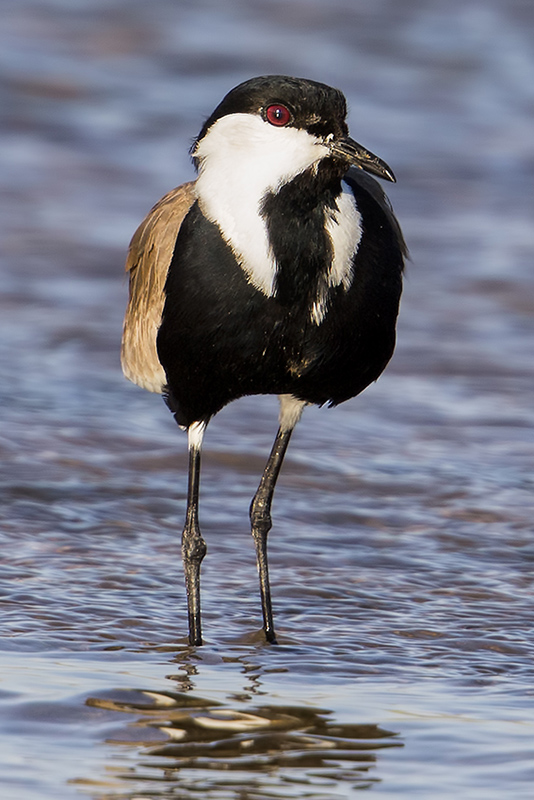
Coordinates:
278 126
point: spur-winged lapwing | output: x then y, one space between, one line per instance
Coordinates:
277 271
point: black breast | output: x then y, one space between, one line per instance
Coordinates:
221 338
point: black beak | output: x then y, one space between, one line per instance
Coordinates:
355 154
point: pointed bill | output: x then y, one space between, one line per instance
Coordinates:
357 155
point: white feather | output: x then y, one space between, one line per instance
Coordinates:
241 159
344 226
290 411
195 435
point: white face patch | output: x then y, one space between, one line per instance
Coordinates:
241 159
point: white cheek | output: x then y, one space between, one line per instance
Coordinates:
237 143
242 158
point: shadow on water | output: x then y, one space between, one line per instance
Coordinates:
179 744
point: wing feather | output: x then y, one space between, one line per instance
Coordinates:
148 261
373 187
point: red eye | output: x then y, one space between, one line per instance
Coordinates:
278 115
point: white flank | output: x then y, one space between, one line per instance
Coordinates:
344 227
241 159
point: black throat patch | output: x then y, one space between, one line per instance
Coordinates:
295 217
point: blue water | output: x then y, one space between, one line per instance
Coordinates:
402 549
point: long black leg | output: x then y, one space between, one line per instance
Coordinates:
193 545
260 519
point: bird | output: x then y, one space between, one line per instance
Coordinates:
276 271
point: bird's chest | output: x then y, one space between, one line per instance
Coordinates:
219 325
291 243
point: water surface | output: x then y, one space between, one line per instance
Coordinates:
402 549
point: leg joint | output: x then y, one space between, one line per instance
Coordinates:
260 516
193 547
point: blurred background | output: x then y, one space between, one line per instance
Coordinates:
402 549
102 99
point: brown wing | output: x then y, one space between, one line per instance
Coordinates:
149 257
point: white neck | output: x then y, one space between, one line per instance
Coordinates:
241 159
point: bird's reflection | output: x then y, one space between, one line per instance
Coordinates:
187 743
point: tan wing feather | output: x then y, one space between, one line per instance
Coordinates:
149 257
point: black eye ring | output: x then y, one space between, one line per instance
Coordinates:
278 115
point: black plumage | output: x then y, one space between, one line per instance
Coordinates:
221 339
